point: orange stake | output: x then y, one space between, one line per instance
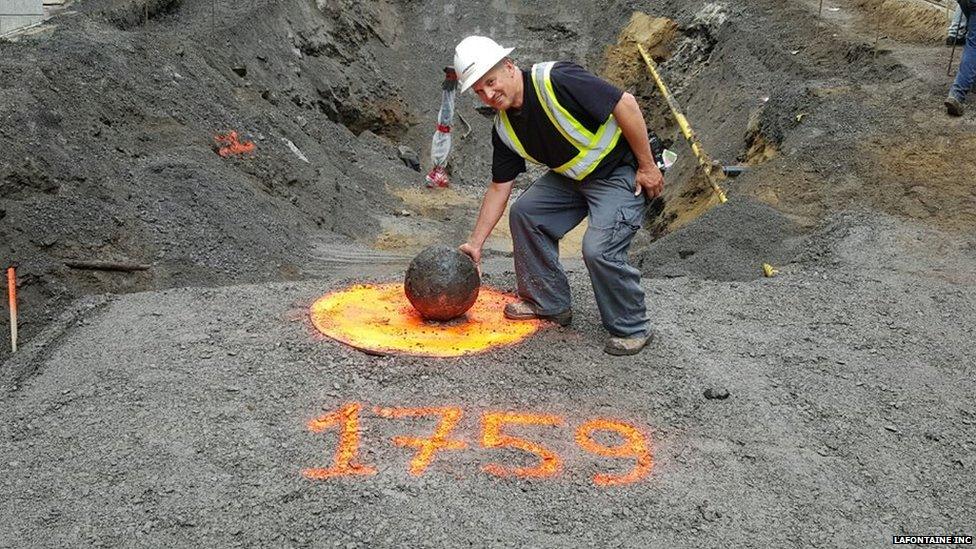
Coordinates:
12 300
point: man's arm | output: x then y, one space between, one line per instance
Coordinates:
631 122
492 208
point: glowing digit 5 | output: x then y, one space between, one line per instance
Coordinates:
427 447
344 463
635 446
493 437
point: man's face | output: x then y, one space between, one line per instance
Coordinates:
499 87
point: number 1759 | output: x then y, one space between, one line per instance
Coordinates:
634 446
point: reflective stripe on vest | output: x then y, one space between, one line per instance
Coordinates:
592 147
507 134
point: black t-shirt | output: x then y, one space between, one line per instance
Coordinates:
589 99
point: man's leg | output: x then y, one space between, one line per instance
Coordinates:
615 216
966 76
544 213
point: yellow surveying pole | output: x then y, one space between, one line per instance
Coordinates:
703 160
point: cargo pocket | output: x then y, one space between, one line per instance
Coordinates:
628 220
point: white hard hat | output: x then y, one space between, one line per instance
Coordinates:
474 56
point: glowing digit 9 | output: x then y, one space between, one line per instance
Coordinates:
493 437
427 447
344 463
635 446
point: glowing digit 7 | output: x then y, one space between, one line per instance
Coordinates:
493 437
427 447
634 446
344 463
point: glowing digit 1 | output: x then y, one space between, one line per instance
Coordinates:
635 446
427 447
493 437
344 463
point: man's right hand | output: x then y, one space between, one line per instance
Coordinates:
474 252
492 208
650 181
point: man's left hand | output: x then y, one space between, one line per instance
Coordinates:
650 181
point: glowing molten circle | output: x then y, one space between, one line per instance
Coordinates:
377 318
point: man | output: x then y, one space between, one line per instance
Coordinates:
593 138
966 76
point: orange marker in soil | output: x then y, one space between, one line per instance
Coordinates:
635 446
350 435
12 300
229 145
427 447
493 437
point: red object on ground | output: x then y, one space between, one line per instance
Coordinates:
440 145
12 288
437 178
228 145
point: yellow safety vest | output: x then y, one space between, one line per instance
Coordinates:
592 147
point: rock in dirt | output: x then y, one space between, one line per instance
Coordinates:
716 393
442 283
409 157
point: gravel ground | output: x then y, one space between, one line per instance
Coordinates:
179 417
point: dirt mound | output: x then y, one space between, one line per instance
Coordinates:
622 63
924 176
913 21
110 153
131 13
771 123
728 242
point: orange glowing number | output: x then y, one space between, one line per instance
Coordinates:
427 447
635 446
344 463
493 437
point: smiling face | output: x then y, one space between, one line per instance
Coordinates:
501 87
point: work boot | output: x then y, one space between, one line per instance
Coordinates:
953 106
520 310
623 346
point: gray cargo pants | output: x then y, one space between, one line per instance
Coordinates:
549 209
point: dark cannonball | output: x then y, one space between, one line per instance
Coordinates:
442 283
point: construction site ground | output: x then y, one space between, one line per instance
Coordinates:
192 403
